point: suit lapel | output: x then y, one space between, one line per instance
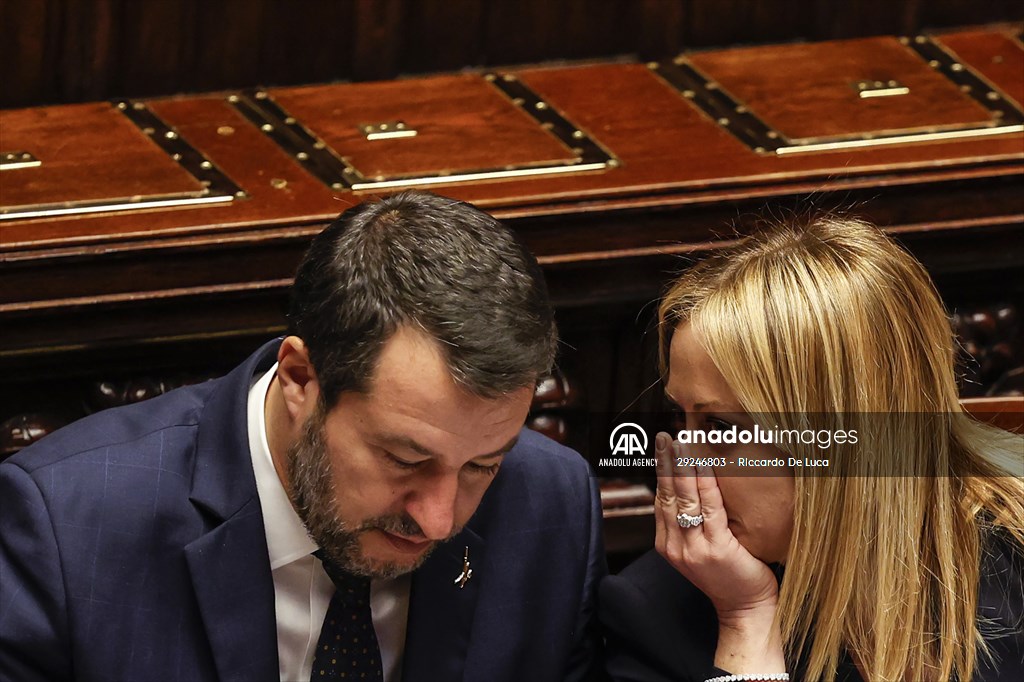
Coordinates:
229 564
441 613
235 591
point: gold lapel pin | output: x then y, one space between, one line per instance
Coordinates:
467 572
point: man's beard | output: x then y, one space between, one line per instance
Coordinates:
313 496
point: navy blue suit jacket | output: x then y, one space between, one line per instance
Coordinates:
132 548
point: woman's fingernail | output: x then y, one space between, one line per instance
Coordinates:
661 442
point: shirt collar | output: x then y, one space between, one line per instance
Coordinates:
287 539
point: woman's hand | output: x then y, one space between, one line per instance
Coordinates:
709 555
741 587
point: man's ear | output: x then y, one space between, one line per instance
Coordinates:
297 379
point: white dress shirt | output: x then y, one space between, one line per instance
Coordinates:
302 590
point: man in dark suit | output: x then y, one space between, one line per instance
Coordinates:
356 501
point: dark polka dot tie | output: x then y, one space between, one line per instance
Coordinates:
347 648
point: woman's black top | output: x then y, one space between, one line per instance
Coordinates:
660 628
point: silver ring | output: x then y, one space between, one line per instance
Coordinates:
686 521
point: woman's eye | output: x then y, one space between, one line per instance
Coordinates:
676 418
718 425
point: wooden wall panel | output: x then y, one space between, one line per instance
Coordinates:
230 55
522 31
598 29
27 55
88 59
743 21
447 45
658 28
873 17
156 48
80 50
378 38
317 44
952 12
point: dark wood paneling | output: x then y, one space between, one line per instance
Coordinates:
378 39
306 46
595 29
953 12
523 30
660 28
229 57
89 58
447 45
742 21
157 48
872 17
27 55
80 50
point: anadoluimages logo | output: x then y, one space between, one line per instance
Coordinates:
628 439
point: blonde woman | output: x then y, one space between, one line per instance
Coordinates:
901 559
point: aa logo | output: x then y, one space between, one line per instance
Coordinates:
628 439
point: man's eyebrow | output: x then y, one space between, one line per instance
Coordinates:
503 450
407 442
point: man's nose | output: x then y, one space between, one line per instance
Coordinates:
432 505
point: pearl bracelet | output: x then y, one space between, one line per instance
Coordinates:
773 677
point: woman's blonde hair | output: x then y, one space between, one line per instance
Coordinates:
830 324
